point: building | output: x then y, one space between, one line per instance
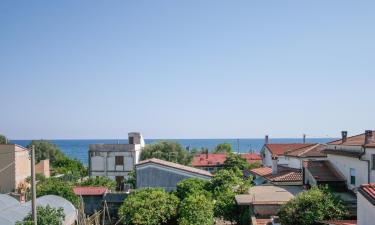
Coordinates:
291 154
354 158
166 175
213 161
15 167
115 160
366 204
92 198
277 176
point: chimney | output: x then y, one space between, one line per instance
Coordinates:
304 138
206 153
274 164
368 135
266 140
344 136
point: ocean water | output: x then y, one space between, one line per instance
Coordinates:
79 148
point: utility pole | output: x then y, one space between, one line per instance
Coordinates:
33 185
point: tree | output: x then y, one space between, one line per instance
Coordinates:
46 216
236 161
196 209
309 207
99 182
132 178
150 206
223 148
165 150
192 186
46 150
53 186
226 178
3 139
225 204
70 167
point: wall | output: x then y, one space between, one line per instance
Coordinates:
7 174
365 211
43 168
267 160
22 165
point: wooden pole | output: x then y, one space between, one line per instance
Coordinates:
33 185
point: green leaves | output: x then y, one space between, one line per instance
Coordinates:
196 209
46 150
165 150
46 216
149 207
99 182
192 186
3 139
223 148
314 205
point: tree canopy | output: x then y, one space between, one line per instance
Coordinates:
46 216
166 150
192 186
54 186
196 209
223 148
99 182
150 206
236 161
3 139
309 207
46 150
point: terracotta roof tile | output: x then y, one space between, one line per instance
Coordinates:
322 170
284 174
218 159
341 222
315 150
176 165
90 190
279 149
357 140
368 191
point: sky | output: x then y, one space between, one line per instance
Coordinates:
186 69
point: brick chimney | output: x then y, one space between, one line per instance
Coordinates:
344 136
304 138
274 164
368 136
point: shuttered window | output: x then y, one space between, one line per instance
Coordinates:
352 176
119 160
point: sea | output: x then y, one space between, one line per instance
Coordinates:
78 149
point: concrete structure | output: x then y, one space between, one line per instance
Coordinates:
115 160
92 198
366 204
164 174
43 168
354 157
15 167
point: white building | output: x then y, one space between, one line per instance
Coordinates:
366 204
115 160
354 157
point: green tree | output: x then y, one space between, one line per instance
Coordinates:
192 186
46 150
236 161
53 186
150 206
132 178
225 204
223 148
165 150
3 139
226 179
99 182
70 167
46 216
196 209
309 207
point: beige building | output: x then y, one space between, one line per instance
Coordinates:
14 166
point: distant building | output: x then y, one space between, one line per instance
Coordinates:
92 198
213 161
354 158
115 160
166 175
15 167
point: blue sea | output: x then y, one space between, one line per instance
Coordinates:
79 148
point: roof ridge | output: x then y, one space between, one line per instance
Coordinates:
308 145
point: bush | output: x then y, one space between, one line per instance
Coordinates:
68 166
192 186
151 206
53 186
45 216
3 139
314 205
223 148
99 182
165 150
196 209
46 150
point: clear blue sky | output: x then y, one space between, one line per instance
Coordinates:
186 69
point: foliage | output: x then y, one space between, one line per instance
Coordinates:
132 178
46 216
38 177
46 150
149 206
226 179
165 150
236 161
223 148
3 139
72 167
53 186
196 209
225 205
192 186
99 182
314 205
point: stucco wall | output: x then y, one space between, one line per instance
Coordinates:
365 211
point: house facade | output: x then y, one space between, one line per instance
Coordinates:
115 161
366 204
354 157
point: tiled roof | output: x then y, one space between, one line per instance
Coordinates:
263 221
309 151
342 152
279 149
284 174
322 170
90 190
368 191
218 159
176 166
357 140
340 222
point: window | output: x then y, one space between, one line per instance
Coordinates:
352 176
131 140
373 161
119 160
